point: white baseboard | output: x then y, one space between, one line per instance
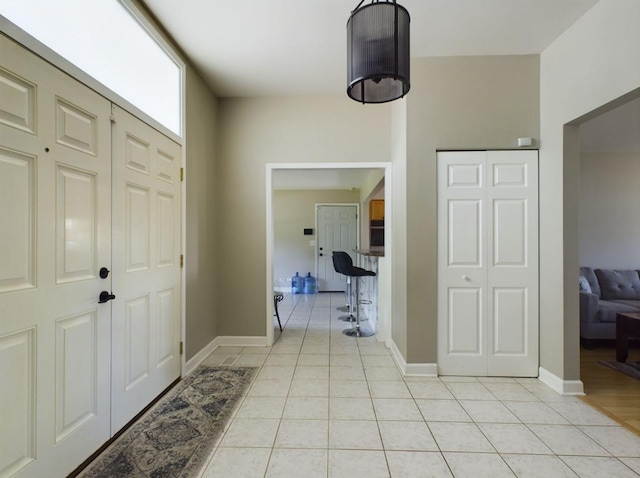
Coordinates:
397 356
421 370
197 359
563 387
411 369
240 341
228 341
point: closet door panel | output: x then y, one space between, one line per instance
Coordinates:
461 265
512 263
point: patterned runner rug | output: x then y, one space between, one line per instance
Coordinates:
176 436
629 368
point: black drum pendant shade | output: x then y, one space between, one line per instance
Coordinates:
378 52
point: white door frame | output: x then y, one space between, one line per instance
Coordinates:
316 206
384 332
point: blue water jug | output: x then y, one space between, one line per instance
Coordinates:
297 284
309 284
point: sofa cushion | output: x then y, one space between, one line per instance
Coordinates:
618 284
584 285
630 303
589 274
609 309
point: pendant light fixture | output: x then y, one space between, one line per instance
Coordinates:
378 52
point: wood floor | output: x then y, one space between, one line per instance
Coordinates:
613 392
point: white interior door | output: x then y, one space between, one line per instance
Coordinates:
488 263
512 261
55 211
146 265
462 273
337 231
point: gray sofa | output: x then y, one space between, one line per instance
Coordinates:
612 292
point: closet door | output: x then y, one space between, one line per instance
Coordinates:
512 263
462 271
488 263
146 265
55 235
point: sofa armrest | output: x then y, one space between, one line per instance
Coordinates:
588 307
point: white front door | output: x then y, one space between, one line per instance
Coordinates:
146 265
488 263
337 231
55 236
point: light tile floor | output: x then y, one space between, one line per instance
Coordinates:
327 405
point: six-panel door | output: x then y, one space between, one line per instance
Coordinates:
55 211
146 265
337 231
488 263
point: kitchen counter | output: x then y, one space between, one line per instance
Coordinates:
369 259
373 252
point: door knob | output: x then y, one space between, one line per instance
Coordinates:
105 297
104 273
466 277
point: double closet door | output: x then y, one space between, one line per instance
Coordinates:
78 195
488 263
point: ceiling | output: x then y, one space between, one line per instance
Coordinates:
298 47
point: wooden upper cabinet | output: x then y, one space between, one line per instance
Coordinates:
376 209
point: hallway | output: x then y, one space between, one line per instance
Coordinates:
327 405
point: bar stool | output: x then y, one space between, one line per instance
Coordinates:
348 293
277 297
345 264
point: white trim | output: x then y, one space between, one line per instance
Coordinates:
183 248
421 370
222 341
197 359
269 253
563 387
241 341
411 369
397 356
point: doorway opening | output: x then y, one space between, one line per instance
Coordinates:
282 182
608 165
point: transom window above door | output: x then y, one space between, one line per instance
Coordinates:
112 42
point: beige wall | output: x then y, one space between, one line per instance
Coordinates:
252 133
609 230
593 63
398 226
454 103
294 211
201 224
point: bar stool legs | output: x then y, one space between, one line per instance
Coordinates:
347 296
349 307
357 331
